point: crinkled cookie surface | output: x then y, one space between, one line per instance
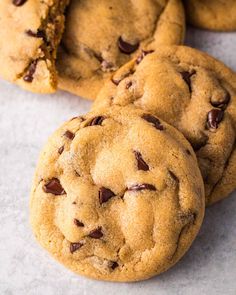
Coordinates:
193 92
117 195
100 36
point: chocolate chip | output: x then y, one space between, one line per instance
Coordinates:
143 186
96 233
105 194
222 104
75 246
188 152
69 135
129 84
77 173
142 165
18 2
142 55
30 74
126 47
214 117
113 264
200 143
106 65
187 78
74 203
96 121
78 223
38 34
151 119
187 217
174 176
116 82
54 187
61 149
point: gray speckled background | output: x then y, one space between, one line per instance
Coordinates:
26 120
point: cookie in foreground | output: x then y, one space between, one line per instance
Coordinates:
117 195
193 92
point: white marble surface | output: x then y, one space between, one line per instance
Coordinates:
26 120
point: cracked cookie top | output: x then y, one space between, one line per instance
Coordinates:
193 92
30 31
219 15
100 36
117 195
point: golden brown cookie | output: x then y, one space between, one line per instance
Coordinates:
196 94
219 15
101 36
30 31
117 195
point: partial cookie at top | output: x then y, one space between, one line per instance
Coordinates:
193 92
219 15
117 195
100 36
30 31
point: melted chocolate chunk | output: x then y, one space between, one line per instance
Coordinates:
151 119
113 265
214 117
142 165
188 152
29 77
222 104
54 187
78 223
143 186
105 194
187 217
61 149
200 143
69 135
96 121
18 2
174 176
128 85
116 82
106 65
38 34
96 233
126 47
142 55
75 246
187 78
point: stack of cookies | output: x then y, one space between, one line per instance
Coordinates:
119 193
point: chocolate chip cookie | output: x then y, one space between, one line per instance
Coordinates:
29 35
219 15
117 195
193 92
100 36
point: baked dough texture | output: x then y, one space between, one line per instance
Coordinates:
100 36
30 31
218 15
117 195
193 92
